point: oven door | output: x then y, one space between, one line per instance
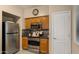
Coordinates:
33 46
34 43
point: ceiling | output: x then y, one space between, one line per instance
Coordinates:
28 6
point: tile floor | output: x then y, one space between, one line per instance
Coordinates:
24 52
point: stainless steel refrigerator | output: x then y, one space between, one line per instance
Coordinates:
10 37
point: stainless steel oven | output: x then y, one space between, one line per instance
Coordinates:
34 44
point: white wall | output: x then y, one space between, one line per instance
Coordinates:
13 10
43 10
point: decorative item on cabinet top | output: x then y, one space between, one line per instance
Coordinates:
35 12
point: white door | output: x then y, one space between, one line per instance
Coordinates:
61 32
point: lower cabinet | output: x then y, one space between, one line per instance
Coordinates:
24 42
44 46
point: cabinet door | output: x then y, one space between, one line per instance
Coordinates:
27 23
44 46
25 43
35 20
45 22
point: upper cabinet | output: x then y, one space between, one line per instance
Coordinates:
35 20
44 20
28 23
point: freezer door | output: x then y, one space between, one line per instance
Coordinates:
11 27
12 43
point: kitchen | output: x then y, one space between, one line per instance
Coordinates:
35 28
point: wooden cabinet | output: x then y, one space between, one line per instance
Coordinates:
35 20
42 19
44 43
27 23
24 42
45 22
44 46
